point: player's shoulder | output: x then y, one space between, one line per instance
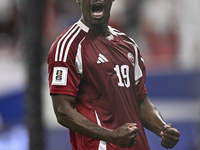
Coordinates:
72 33
116 32
123 36
68 40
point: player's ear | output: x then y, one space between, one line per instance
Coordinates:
78 1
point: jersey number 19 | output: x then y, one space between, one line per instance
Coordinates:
123 75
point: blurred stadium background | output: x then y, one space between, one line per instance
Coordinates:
168 35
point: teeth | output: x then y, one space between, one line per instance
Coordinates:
98 13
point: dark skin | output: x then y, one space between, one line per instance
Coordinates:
152 120
125 135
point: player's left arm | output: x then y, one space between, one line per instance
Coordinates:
153 121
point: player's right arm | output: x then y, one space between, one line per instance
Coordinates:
67 116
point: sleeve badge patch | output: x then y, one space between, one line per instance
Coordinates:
59 76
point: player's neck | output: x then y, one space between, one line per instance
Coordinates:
101 28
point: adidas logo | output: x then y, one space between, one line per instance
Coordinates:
102 59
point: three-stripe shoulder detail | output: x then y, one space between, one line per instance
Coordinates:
65 42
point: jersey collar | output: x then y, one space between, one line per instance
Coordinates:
86 29
83 26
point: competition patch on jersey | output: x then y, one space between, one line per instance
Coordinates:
59 76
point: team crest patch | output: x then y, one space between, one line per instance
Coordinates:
59 76
131 58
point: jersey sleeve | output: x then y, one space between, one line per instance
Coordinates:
63 76
141 90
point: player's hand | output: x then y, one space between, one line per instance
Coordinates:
170 136
126 135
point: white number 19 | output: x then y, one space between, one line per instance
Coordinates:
123 72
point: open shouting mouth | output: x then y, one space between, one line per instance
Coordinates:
97 9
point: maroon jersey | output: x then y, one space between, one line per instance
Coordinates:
107 77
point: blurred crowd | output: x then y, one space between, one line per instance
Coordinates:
167 32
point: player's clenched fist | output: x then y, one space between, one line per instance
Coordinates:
126 135
170 136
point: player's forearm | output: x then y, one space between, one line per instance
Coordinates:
124 136
78 123
151 117
75 121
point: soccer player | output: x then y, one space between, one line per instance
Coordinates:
97 85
